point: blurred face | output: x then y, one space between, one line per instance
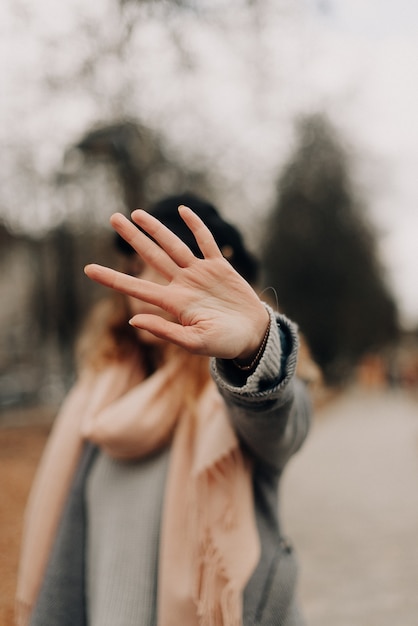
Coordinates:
140 269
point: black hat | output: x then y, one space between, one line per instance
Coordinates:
227 237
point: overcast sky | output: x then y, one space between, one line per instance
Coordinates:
355 59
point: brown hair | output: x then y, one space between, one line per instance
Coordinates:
106 336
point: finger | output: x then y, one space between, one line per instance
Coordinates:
176 249
204 238
144 246
173 332
129 285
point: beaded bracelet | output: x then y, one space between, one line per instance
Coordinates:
250 366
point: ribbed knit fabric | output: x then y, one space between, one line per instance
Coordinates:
269 371
124 502
61 599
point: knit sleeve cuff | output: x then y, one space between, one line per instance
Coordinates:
267 373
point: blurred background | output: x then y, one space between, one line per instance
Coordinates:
295 117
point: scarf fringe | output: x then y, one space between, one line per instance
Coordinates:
22 613
218 602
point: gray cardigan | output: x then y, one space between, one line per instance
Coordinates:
270 412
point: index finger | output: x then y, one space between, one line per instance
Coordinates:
144 246
176 249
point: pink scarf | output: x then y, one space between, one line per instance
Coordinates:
209 542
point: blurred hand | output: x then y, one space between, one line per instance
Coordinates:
217 312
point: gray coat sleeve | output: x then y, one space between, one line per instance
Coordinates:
270 410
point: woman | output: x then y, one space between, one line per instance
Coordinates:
156 499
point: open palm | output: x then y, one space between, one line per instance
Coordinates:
217 313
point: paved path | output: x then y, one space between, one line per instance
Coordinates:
350 504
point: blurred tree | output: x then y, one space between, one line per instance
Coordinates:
141 164
321 257
137 171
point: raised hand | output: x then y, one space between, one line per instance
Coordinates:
216 312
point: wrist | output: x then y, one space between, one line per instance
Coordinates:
249 362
